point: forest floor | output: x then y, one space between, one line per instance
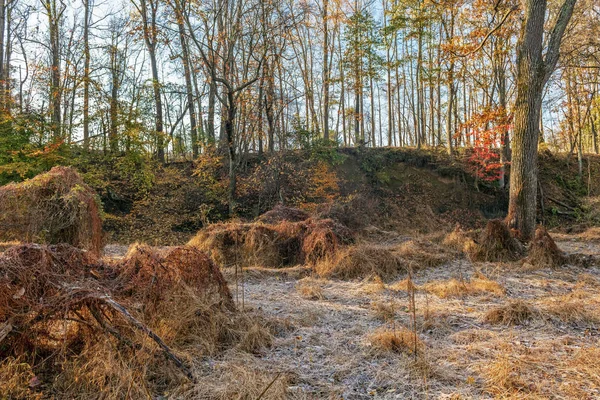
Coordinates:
486 330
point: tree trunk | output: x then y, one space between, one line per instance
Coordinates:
325 71
532 74
86 75
185 58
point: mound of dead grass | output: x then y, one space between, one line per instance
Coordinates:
404 285
361 261
274 245
131 328
459 288
55 207
543 251
282 213
514 312
496 244
398 340
568 310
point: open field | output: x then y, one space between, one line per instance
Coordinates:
341 337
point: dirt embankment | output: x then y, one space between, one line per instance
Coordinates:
404 190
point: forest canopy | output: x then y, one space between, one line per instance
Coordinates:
173 79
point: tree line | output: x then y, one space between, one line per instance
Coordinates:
176 78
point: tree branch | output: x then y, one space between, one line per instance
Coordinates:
556 37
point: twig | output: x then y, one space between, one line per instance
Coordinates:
119 308
560 203
269 386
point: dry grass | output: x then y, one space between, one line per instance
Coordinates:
503 377
385 311
472 335
15 379
7 245
514 312
79 345
543 251
459 240
496 244
582 372
310 289
240 378
281 213
569 310
54 207
361 261
398 340
587 280
255 338
272 245
460 288
403 286
423 254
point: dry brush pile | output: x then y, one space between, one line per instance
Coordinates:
283 243
55 207
74 326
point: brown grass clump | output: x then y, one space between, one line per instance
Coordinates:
384 311
458 240
255 338
514 312
277 245
399 340
222 242
126 329
310 289
55 207
150 275
459 288
323 239
16 378
503 377
496 244
423 253
282 213
361 261
543 251
404 285
566 310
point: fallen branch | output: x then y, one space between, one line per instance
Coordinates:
560 203
269 386
168 352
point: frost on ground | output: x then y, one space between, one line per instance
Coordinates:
485 330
